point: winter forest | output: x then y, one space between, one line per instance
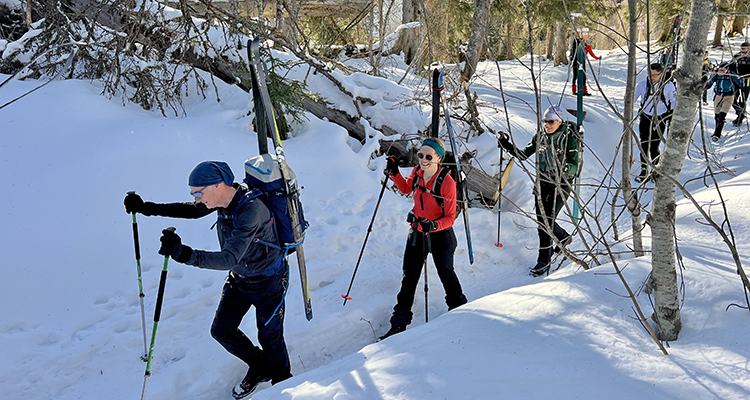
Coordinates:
608 266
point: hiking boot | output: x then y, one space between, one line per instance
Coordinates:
565 242
249 384
539 269
394 330
715 137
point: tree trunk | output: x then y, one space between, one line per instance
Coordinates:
738 26
475 48
664 273
631 201
719 26
409 11
561 44
509 42
550 42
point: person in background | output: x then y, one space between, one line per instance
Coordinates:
580 47
725 88
257 272
431 230
740 66
708 68
557 151
657 102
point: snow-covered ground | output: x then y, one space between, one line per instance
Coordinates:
71 325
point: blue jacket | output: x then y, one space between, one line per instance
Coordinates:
242 228
725 84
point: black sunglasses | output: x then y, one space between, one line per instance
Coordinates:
427 156
548 121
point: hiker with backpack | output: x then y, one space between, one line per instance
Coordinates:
726 85
557 151
431 219
740 66
257 271
657 101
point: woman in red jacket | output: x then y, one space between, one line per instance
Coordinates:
431 225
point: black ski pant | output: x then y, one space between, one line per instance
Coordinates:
740 102
553 198
651 131
443 244
266 293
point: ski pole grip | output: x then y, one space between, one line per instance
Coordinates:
136 242
162 284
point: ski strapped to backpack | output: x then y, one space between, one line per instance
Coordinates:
289 219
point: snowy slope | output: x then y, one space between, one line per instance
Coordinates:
71 326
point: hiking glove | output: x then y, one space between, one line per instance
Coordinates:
428 226
171 245
133 203
391 167
503 142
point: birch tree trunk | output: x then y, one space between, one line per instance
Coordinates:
664 273
631 201
475 47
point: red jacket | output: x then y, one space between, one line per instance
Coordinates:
588 50
425 205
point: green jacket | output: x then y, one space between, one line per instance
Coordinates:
562 144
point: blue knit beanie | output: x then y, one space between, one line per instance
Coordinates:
210 173
439 149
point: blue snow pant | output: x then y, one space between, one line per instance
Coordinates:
266 293
443 244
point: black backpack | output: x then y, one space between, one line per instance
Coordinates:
448 167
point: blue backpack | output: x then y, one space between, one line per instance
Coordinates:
264 180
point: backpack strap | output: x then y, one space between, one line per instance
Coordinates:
250 195
437 186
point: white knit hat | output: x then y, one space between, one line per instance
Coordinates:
553 112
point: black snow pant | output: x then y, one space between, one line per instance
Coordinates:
651 131
740 102
553 199
266 293
443 244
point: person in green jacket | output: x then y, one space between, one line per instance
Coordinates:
556 148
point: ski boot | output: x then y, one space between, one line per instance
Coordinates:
565 242
249 384
394 330
586 91
575 89
539 269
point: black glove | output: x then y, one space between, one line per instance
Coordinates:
133 203
411 218
503 142
428 226
171 245
391 167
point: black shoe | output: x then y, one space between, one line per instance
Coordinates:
540 269
715 138
565 242
394 330
249 384
737 122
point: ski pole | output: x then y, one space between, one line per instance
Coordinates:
157 312
140 282
499 198
426 287
369 229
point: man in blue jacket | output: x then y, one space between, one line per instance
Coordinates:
257 273
725 91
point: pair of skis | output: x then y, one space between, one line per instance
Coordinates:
265 123
462 192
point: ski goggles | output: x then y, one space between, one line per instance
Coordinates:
426 156
199 193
